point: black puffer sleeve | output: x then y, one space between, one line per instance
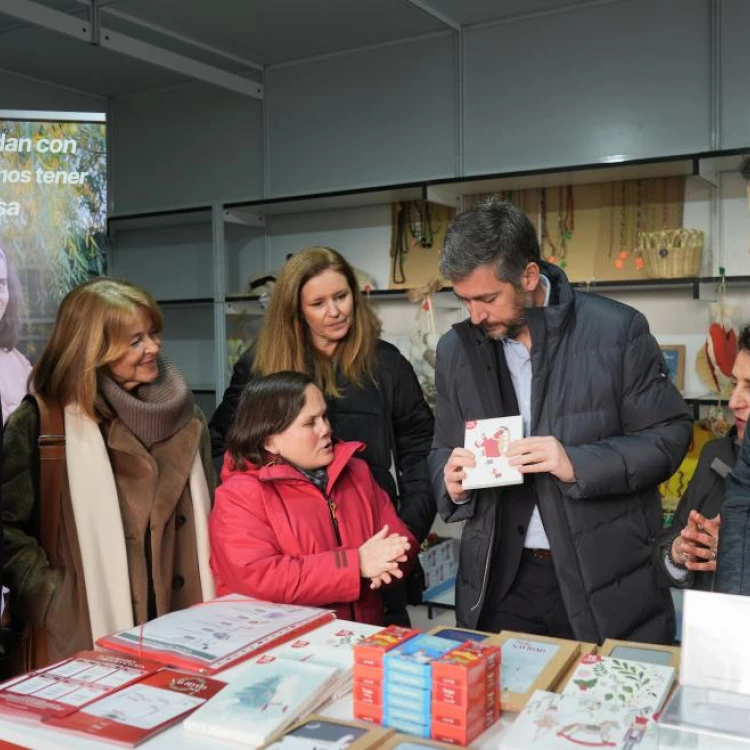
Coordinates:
413 425
733 559
223 417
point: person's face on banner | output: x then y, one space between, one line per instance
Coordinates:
138 365
4 293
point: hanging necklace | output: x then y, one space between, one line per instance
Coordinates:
640 219
565 221
420 224
623 254
399 246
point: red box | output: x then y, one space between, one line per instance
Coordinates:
461 696
462 716
371 650
470 664
368 694
368 675
457 735
368 712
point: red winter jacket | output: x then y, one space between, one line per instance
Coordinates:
272 535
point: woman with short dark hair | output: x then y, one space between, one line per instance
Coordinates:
298 519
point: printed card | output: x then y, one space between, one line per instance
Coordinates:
552 721
489 440
602 681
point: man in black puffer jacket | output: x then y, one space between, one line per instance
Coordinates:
733 557
570 552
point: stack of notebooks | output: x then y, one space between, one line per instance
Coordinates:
265 698
607 702
269 692
106 696
330 645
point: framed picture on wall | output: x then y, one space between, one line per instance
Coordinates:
674 356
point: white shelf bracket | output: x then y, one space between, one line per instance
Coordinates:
444 195
708 173
186 66
244 216
54 20
94 33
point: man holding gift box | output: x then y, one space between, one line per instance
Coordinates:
570 552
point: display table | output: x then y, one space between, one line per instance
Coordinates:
176 738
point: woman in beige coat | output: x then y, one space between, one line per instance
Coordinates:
137 483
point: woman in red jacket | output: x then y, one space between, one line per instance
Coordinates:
297 518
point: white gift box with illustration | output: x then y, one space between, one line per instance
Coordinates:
489 440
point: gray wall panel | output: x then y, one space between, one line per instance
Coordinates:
371 117
19 92
188 145
735 64
628 79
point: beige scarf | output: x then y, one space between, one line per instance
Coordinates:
96 509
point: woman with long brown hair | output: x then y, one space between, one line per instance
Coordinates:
318 323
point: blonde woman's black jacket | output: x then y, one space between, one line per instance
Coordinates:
733 559
705 493
600 386
390 413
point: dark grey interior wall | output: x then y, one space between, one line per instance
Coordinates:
183 146
374 116
629 79
734 123
20 92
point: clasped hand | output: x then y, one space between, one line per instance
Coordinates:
380 557
696 546
530 455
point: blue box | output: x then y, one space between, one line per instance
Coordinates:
415 657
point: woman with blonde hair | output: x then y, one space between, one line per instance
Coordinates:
319 324
132 541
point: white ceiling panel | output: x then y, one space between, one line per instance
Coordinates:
273 31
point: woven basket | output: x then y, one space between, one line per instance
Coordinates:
671 253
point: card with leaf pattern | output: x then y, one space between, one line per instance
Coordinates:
604 683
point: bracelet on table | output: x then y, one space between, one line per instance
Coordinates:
670 556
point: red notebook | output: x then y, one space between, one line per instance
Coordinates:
215 635
138 712
68 685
